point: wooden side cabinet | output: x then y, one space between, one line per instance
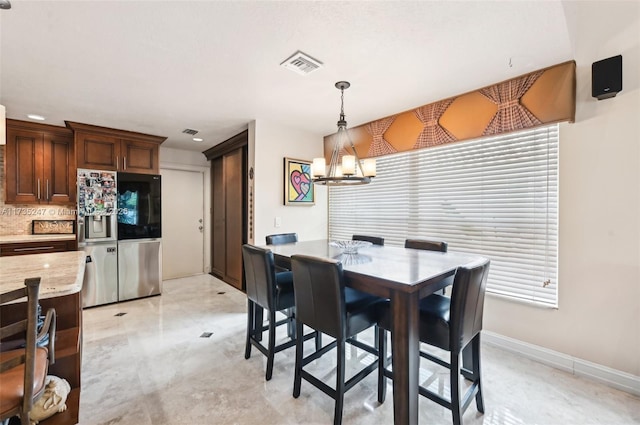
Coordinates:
110 149
68 348
39 164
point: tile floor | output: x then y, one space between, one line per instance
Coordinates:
151 366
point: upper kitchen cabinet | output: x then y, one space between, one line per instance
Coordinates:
39 164
104 148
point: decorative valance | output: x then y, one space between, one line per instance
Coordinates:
538 98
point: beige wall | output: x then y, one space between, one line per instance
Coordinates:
269 143
598 318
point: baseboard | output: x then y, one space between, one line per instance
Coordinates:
614 378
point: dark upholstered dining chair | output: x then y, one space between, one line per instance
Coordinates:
426 244
324 304
23 370
268 290
450 324
430 245
373 239
281 238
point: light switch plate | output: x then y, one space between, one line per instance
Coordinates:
277 222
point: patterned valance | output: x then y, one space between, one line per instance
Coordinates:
537 98
511 115
433 133
379 146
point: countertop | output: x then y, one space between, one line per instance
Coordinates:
61 273
35 238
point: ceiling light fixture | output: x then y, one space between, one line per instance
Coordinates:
5 4
198 139
345 168
36 117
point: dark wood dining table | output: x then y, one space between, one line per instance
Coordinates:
404 276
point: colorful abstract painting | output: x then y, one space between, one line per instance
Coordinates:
298 187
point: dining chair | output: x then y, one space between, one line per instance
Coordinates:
23 370
281 238
449 324
324 304
430 245
426 244
373 239
271 291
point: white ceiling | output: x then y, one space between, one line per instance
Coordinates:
160 67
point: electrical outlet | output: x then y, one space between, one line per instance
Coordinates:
277 222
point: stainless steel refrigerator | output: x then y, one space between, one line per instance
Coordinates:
139 235
97 235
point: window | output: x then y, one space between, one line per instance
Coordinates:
497 197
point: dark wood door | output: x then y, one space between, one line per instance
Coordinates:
40 164
229 208
233 178
218 212
23 168
139 157
59 169
98 151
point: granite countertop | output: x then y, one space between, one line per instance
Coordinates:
35 238
61 273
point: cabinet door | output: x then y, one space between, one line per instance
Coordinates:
228 216
23 166
218 234
59 172
96 151
139 157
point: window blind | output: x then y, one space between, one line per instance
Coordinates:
496 197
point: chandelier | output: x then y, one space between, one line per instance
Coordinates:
345 168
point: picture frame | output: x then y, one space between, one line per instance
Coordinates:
298 187
53 227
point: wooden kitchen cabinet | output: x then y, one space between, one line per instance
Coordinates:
40 247
39 164
110 149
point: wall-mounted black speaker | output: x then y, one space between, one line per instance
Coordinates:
606 77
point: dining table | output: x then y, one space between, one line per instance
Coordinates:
404 276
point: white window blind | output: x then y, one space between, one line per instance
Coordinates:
497 197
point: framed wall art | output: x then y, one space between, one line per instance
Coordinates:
298 187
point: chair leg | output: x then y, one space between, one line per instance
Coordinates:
291 326
475 346
382 364
250 317
318 340
340 373
297 376
454 375
272 343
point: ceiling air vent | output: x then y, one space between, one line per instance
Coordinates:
190 131
301 63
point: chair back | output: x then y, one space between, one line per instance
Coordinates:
30 388
319 292
259 272
282 238
426 244
467 303
373 239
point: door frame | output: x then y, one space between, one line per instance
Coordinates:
206 213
